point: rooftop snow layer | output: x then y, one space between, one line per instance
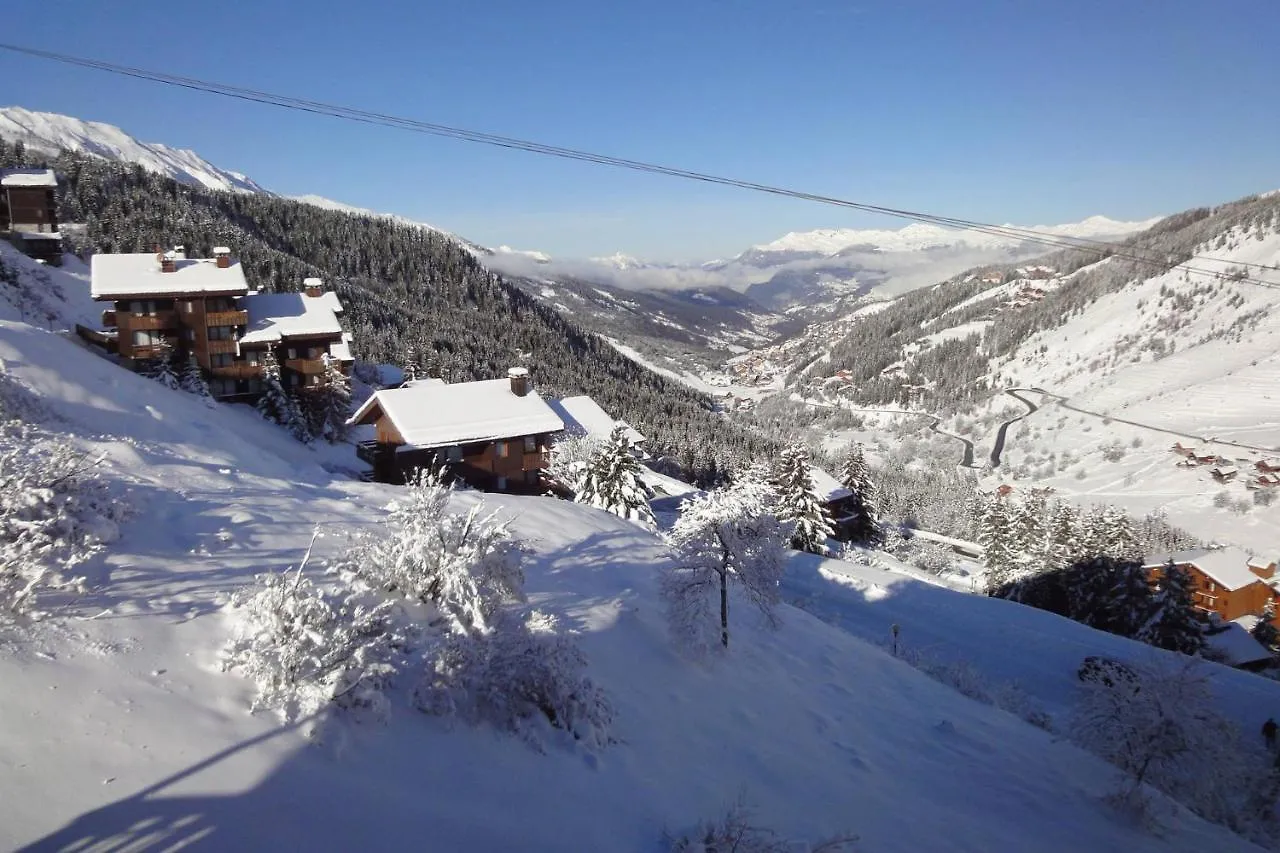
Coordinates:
1227 566
584 414
274 316
28 178
114 276
829 488
428 416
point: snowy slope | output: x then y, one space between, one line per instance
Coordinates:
51 132
121 733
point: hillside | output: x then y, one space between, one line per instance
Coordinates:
819 730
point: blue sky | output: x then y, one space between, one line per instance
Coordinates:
996 110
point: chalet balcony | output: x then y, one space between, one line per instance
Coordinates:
216 347
373 452
226 318
237 371
305 366
159 320
109 318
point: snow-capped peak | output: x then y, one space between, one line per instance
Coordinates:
919 236
51 132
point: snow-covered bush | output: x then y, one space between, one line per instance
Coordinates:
55 512
306 647
736 831
726 536
521 675
465 565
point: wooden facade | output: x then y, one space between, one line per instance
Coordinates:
30 209
513 464
1211 596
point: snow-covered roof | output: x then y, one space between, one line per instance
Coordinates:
1227 566
39 235
28 178
1260 563
275 316
1237 646
827 486
341 350
138 274
429 415
585 415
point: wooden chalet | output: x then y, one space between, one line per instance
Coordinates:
838 499
493 434
1224 473
168 304
1225 581
29 212
1270 465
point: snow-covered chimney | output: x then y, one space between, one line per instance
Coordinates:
222 257
519 377
168 262
313 286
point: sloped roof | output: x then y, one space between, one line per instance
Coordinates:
341 350
827 486
28 178
1236 644
138 274
440 415
276 316
1227 566
583 414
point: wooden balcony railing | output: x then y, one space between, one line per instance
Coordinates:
237 371
305 366
159 320
222 347
226 318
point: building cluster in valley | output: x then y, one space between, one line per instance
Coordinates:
29 213
1265 472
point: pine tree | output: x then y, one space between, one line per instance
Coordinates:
161 367
996 535
1174 624
278 406
1265 632
1030 533
612 481
1094 536
1062 541
800 504
192 381
335 401
1119 538
856 477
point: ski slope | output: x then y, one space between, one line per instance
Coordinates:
121 732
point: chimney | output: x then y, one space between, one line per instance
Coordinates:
313 286
222 257
519 377
168 262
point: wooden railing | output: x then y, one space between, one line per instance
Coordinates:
237 371
159 320
226 318
222 347
306 366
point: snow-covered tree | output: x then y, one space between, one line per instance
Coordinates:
1265 631
1094 536
997 536
521 675
1119 539
728 537
464 565
335 401
192 381
856 477
1159 727
1029 529
571 455
306 647
799 503
1173 622
276 404
160 366
1062 536
611 481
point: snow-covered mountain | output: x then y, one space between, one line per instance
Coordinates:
50 132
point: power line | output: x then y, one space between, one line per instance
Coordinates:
1132 253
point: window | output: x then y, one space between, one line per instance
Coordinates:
292 353
253 358
221 333
147 338
530 444
189 335
531 477
314 379
222 387
143 306
188 306
503 449
220 359
453 454
1212 588
502 484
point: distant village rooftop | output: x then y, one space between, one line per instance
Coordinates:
275 316
143 274
1227 566
28 178
433 415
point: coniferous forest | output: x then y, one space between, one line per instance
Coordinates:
406 290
